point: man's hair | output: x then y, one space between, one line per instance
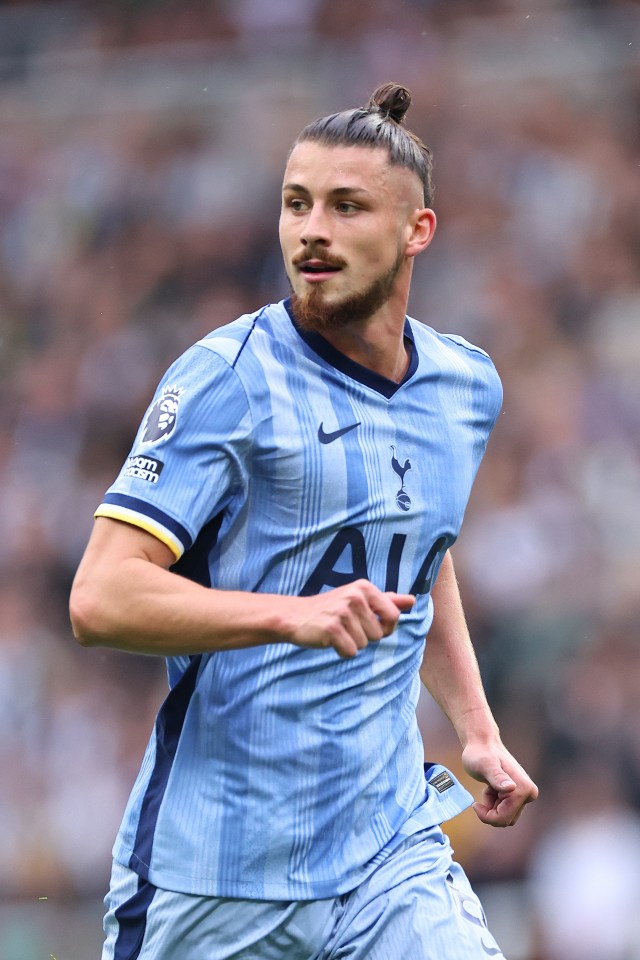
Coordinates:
379 124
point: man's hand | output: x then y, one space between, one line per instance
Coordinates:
347 618
508 787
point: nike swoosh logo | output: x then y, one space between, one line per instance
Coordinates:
330 437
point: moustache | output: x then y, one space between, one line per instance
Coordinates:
311 253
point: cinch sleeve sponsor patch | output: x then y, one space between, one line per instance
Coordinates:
144 468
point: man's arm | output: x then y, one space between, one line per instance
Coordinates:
125 596
450 673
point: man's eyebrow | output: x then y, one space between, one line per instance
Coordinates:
348 191
294 188
336 192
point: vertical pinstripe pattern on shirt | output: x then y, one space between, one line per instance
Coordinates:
294 767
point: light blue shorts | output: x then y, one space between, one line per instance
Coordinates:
417 905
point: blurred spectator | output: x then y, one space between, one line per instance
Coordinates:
585 871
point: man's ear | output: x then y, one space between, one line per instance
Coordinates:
422 227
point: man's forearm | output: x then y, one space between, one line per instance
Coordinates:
125 596
450 668
140 608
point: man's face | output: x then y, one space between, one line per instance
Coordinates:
344 225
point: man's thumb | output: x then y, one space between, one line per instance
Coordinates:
499 780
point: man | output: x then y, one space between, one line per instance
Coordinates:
281 534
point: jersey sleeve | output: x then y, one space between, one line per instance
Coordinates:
189 456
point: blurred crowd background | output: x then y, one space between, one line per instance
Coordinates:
141 150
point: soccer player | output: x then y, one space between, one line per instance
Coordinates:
281 533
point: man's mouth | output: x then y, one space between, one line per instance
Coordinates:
317 269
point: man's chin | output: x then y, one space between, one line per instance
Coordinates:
320 310
325 314
324 310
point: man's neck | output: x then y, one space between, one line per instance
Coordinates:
377 344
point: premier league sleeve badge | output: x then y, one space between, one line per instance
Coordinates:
163 415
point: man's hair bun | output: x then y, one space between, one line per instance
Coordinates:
378 125
392 99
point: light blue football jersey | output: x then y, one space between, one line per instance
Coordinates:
270 462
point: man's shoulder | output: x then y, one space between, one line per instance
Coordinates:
231 339
454 341
234 359
453 345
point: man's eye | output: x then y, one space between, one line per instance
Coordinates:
297 205
346 207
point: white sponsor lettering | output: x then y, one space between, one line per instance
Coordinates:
144 468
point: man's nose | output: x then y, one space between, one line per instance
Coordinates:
316 227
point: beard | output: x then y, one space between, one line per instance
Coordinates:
314 315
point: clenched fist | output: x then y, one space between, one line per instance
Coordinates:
347 618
